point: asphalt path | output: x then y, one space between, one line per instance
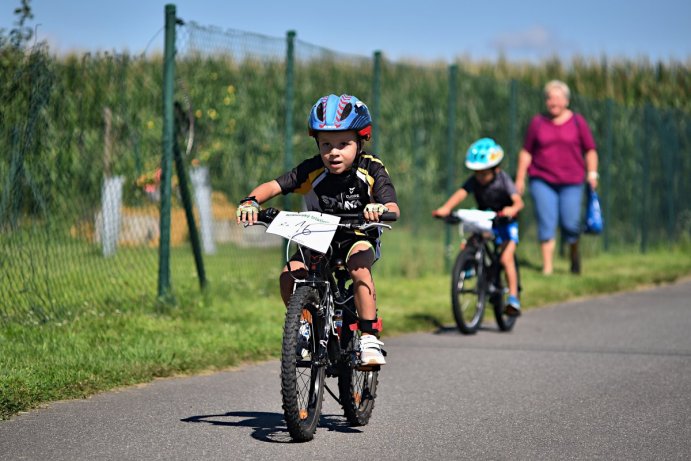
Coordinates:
603 378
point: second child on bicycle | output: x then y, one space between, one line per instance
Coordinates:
341 178
494 190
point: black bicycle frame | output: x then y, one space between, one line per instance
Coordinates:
494 252
328 278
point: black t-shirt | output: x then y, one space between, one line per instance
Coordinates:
492 196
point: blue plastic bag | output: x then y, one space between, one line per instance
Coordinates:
593 214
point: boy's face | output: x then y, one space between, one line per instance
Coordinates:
338 149
484 176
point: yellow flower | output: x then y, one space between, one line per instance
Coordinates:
231 125
230 89
198 113
212 114
150 124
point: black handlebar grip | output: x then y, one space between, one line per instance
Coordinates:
267 215
388 216
449 219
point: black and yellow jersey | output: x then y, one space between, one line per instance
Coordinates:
366 182
346 193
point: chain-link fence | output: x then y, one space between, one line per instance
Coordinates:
80 138
425 116
81 142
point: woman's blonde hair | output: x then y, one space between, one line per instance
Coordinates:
557 85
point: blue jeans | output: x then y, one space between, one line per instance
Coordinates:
557 204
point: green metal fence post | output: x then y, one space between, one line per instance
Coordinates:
376 100
645 171
167 160
418 139
513 125
450 153
606 176
289 101
670 151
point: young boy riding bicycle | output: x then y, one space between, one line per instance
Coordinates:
494 190
341 178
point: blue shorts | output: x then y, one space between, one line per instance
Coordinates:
557 204
506 232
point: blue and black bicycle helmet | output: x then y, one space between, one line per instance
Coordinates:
483 154
340 113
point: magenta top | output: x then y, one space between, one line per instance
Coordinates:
558 150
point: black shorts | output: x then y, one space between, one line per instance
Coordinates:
342 248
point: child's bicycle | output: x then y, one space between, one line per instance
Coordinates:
320 338
477 276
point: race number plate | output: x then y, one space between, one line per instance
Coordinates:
309 228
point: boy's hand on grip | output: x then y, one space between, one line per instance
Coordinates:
441 212
248 211
373 211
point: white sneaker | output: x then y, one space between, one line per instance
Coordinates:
370 350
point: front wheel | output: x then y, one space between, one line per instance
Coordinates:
302 376
504 321
468 289
357 387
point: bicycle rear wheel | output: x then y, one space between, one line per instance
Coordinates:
357 387
302 377
504 321
468 290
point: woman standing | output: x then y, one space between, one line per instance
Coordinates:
558 155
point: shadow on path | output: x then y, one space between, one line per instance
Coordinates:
269 427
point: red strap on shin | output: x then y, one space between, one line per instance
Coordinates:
369 326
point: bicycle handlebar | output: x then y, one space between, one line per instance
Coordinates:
449 219
352 219
267 215
454 218
358 218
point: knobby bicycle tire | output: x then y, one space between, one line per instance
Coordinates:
357 387
468 290
504 321
302 378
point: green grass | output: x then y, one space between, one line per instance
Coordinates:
46 279
233 323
